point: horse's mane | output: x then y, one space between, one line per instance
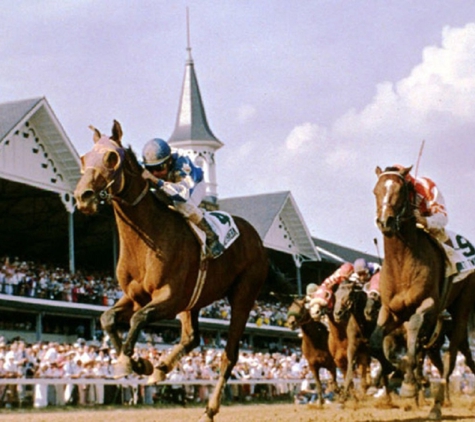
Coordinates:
131 159
136 169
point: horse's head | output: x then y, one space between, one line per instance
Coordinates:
320 303
373 299
297 314
373 304
392 199
344 299
101 169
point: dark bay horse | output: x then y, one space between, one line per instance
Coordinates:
314 344
159 267
411 284
349 309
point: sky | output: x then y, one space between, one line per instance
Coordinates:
307 96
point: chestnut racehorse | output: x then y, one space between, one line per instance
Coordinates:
349 307
159 264
314 344
411 284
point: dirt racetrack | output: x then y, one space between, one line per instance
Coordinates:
369 410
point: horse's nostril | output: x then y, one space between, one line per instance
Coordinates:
87 195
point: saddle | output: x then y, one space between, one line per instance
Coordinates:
222 224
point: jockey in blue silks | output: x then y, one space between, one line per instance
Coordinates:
182 181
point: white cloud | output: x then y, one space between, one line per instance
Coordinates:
307 134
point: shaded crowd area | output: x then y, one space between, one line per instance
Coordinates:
42 281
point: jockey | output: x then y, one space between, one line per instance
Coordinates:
363 271
182 181
430 211
323 296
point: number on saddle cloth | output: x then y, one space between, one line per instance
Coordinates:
461 255
222 224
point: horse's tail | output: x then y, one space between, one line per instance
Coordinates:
277 285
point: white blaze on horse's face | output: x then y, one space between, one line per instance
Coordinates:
388 201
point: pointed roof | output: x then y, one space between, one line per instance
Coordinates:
35 150
278 221
191 123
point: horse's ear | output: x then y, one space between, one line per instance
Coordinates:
97 135
406 171
378 171
116 132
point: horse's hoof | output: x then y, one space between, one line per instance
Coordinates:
435 414
142 367
206 418
407 390
123 367
156 376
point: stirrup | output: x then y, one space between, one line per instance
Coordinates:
215 249
444 315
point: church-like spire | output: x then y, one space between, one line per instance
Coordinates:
192 132
191 123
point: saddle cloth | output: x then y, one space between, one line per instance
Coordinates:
461 257
222 224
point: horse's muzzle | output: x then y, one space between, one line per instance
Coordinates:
86 201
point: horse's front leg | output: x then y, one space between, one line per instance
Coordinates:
154 311
318 383
411 383
121 312
385 324
190 338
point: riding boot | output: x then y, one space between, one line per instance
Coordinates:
212 242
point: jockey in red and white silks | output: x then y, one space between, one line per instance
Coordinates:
321 298
430 209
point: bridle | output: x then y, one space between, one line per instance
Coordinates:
298 314
115 189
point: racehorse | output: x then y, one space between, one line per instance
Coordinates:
350 302
314 344
159 264
411 284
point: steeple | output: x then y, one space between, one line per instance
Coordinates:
192 132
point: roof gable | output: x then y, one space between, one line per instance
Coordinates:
277 220
35 150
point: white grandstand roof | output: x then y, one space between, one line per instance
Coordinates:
278 221
35 150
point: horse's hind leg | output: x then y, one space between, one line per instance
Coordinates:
241 300
190 338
